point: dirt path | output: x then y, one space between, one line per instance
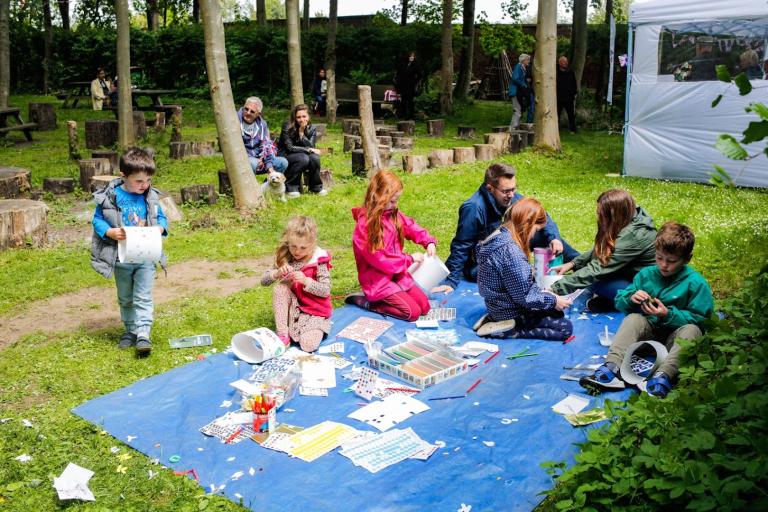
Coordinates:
66 312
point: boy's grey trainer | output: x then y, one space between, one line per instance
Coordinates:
127 340
143 346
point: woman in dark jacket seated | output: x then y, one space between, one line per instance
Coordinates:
297 145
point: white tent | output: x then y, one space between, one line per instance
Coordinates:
671 127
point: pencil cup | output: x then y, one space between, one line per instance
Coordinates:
605 338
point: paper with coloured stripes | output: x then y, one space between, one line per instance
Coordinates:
316 441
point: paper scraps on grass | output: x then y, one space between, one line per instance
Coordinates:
365 329
586 417
389 412
379 451
337 347
572 404
316 441
72 484
23 458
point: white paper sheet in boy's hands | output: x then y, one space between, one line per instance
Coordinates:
571 404
72 484
365 329
389 412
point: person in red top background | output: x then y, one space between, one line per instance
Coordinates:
382 266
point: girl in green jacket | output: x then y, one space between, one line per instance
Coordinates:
624 244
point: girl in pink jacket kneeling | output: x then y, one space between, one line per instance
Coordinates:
382 266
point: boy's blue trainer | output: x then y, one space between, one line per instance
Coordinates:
604 379
659 386
127 340
143 346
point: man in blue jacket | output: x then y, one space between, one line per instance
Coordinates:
481 214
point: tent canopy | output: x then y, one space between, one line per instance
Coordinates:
671 125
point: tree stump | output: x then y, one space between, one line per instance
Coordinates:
440 157
199 193
350 126
23 220
225 186
385 156
90 167
14 181
352 142
384 130
176 120
44 114
170 209
463 155
159 122
466 132
202 148
325 151
179 150
74 150
384 140
358 162
514 142
99 182
499 140
112 156
415 164
435 127
500 129
139 125
402 142
523 137
396 133
59 185
320 131
484 152
407 127
326 176
526 126
100 133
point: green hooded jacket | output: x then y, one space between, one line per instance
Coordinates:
686 295
634 250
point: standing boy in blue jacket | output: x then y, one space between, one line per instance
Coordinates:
665 301
129 201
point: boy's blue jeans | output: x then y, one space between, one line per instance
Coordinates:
134 294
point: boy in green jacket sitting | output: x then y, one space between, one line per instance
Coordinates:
666 301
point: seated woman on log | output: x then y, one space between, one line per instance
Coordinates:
297 145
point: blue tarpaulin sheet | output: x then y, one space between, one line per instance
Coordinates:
510 409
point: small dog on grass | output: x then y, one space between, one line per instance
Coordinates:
274 186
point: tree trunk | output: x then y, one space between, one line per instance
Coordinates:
101 133
126 135
23 221
330 63
435 127
305 25
90 167
47 44
544 67
64 12
246 192
44 114
153 16
407 127
368 130
112 156
462 155
446 71
602 77
468 52
579 39
352 142
440 157
176 123
5 53
402 142
59 185
499 140
74 145
415 164
294 51
14 181
196 11
261 12
404 13
485 152
200 193
466 132
179 150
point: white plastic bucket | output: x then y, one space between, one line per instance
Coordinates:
429 273
257 345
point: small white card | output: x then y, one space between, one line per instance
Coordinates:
305 391
572 404
337 347
427 324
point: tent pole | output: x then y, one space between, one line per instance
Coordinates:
630 47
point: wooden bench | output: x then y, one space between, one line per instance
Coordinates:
347 93
15 114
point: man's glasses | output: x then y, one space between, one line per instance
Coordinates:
506 191
250 110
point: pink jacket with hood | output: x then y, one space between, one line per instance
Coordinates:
385 272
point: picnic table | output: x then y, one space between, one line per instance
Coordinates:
15 114
75 90
153 94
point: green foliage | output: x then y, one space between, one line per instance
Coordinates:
495 39
704 447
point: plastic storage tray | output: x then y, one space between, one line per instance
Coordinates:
420 363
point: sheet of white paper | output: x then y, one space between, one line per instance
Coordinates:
337 347
318 373
427 324
377 452
249 388
575 295
366 384
72 484
490 347
571 404
389 412
305 391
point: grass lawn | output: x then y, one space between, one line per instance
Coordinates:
43 375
